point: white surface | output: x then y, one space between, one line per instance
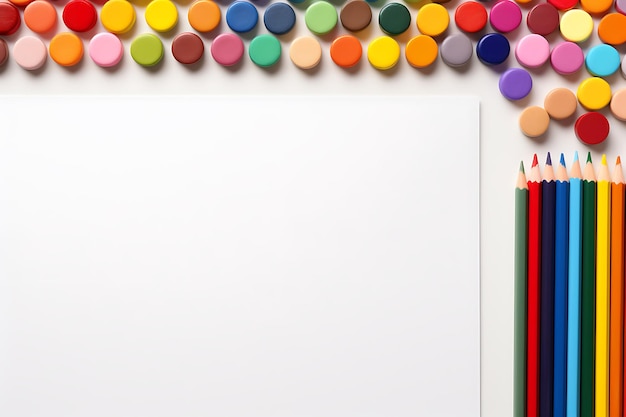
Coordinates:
502 144
162 269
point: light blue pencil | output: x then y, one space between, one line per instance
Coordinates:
573 293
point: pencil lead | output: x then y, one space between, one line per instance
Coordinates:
588 157
521 167
618 161
548 159
575 156
562 159
603 159
535 162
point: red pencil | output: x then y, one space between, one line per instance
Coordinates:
534 273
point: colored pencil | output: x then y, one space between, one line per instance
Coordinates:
534 275
573 289
587 294
616 334
561 247
521 265
603 270
546 323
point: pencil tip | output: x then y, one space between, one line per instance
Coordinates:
521 167
603 159
535 162
588 157
548 159
576 156
618 161
562 159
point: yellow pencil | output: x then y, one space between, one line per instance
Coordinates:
603 270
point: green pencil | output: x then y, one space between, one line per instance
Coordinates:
587 334
521 269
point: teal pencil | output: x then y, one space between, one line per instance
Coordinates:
573 289
521 265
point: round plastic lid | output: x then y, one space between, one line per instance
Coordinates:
161 15
10 19
532 51
567 58
265 50
563 4
543 19
4 52
394 18
279 18
592 128
493 49
594 93
106 49
471 17
187 48
612 29
227 49
596 6
383 53
534 121
421 51
305 52
30 53
515 83
320 17
40 16
204 15
618 104
118 16
346 51
505 16
355 15
576 25
66 49
602 60
456 50
433 19
147 49
80 15
560 103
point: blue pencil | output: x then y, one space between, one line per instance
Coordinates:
546 321
561 248
574 273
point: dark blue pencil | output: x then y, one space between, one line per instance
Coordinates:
561 249
546 322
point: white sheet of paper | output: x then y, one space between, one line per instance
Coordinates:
278 256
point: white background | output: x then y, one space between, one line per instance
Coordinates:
502 144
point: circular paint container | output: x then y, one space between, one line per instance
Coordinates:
532 51
355 15
40 16
321 17
563 4
505 16
383 53
433 19
576 25
543 19
161 15
346 51
421 51
30 53
596 6
592 128
567 58
10 20
147 50
602 60
620 6
227 49
612 29
106 50
20 3
493 49
456 50
534 121
594 93
305 52
264 50
394 19
515 83
618 104
187 48
66 49
4 52
241 16
471 17
204 15
80 15
118 16
279 18
560 103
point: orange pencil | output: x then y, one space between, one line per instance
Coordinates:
616 335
